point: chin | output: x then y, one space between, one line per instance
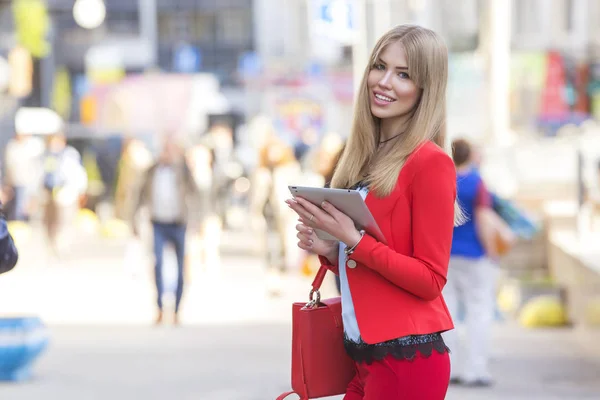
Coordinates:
381 114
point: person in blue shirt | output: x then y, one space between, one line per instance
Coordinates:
472 274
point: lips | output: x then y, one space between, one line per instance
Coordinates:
381 99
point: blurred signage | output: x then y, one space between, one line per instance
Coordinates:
250 65
334 19
315 69
104 76
88 110
104 64
342 85
187 59
554 103
32 24
81 85
21 72
127 53
296 114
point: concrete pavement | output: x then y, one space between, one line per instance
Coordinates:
251 362
93 286
235 342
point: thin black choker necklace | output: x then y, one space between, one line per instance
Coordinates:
387 140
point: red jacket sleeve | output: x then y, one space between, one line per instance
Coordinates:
424 273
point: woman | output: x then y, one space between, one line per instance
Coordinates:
392 307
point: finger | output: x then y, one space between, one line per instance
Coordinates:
331 210
304 246
304 221
299 209
304 238
304 229
317 213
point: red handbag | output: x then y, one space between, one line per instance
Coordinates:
320 365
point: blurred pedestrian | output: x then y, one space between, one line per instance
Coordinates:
204 224
392 308
472 272
307 141
133 165
167 190
226 167
64 184
8 251
21 174
278 168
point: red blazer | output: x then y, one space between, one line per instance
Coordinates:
396 288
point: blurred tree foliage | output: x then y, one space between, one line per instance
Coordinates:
32 24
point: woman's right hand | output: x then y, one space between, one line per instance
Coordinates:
309 241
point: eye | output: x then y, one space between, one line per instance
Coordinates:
403 75
379 66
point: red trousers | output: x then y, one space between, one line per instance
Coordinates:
423 378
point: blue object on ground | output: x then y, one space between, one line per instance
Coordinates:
22 341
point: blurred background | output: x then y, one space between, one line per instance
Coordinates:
256 95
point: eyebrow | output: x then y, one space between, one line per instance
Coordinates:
400 67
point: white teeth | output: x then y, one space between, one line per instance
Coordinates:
384 98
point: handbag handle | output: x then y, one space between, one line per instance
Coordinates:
316 285
284 395
318 281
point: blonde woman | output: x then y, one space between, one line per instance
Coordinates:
392 306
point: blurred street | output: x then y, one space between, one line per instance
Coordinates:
204 362
234 342
148 149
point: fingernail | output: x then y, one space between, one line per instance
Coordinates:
310 231
324 204
310 242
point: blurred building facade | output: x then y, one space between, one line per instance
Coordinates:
217 31
184 36
262 50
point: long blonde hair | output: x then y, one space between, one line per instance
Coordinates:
427 58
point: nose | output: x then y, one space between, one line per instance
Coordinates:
386 80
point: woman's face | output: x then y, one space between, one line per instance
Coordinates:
392 93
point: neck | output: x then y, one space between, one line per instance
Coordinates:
390 127
464 168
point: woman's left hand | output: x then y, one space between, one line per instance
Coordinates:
326 218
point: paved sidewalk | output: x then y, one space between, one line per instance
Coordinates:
251 362
235 342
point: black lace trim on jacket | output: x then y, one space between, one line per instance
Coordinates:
404 348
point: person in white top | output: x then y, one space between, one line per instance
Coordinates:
167 190
23 156
64 182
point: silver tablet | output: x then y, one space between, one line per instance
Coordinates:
348 201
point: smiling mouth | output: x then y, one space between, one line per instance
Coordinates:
384 98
